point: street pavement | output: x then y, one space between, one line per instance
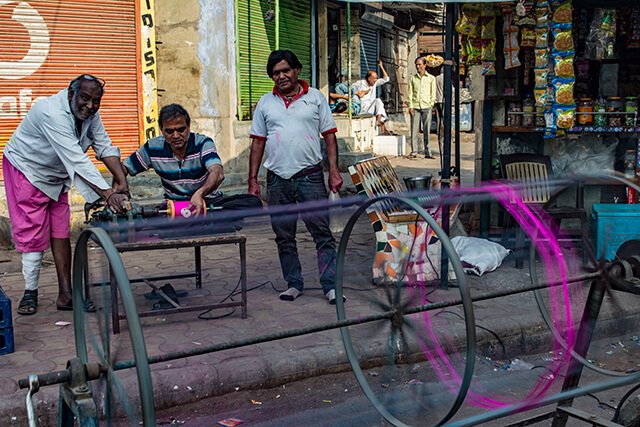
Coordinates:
43 344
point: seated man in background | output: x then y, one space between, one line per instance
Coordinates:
339 99
188 164
370 103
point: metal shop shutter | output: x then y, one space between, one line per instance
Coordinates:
368 49
45 44
295 32
256 39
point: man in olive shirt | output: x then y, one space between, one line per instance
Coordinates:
422 97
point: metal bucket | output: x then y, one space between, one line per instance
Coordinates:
418 183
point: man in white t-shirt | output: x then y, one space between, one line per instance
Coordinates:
288 122
370 103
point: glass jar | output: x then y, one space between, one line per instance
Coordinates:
629 163
514 119
528 108
614 105
585 105
600 107
540 122
631 110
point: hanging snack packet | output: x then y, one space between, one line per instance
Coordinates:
562 13
527 37
468 22
541 78
511 49
563 42
564 92
564 67
542 58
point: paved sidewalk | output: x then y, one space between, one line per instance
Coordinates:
42 346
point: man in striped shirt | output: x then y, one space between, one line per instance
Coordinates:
188 164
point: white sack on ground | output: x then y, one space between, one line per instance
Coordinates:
479 255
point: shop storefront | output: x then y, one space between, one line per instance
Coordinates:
44 45
561 78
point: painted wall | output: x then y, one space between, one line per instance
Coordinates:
196 68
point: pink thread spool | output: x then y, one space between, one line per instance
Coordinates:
180 209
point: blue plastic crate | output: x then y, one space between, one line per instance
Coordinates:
5 310
613 225
6 340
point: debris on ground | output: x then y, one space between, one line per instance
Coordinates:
230 422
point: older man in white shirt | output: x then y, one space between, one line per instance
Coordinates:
46 153
366 90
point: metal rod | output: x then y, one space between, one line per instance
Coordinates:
61 376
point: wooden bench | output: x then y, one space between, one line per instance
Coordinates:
407 249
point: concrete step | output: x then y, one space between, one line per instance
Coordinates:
390 145
346 144
350 158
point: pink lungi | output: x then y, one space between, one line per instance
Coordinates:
35 218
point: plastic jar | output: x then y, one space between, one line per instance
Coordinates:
528 108
514 119
585 105
631 110
600 107
614 105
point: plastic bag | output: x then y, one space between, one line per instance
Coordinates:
337 222
479 256
602 35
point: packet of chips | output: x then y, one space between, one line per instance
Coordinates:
563 67
468 22
542 58
564 92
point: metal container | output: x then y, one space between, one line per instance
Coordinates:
417 183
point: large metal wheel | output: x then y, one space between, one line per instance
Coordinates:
93 338
599 271
403 331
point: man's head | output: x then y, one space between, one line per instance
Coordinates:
84 94
421 64
371 77
283 67
174 124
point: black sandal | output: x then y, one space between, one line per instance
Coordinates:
29 303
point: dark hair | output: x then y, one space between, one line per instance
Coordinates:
280 55
172 111
74 85
424 60
369 74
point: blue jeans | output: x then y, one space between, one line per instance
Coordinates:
293 191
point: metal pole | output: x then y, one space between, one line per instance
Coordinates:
456 83
314 47
446 143
349 62
277 30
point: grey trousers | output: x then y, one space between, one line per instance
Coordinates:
421 119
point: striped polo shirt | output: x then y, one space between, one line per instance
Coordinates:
180 179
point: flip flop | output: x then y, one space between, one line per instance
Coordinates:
88 305
155 295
